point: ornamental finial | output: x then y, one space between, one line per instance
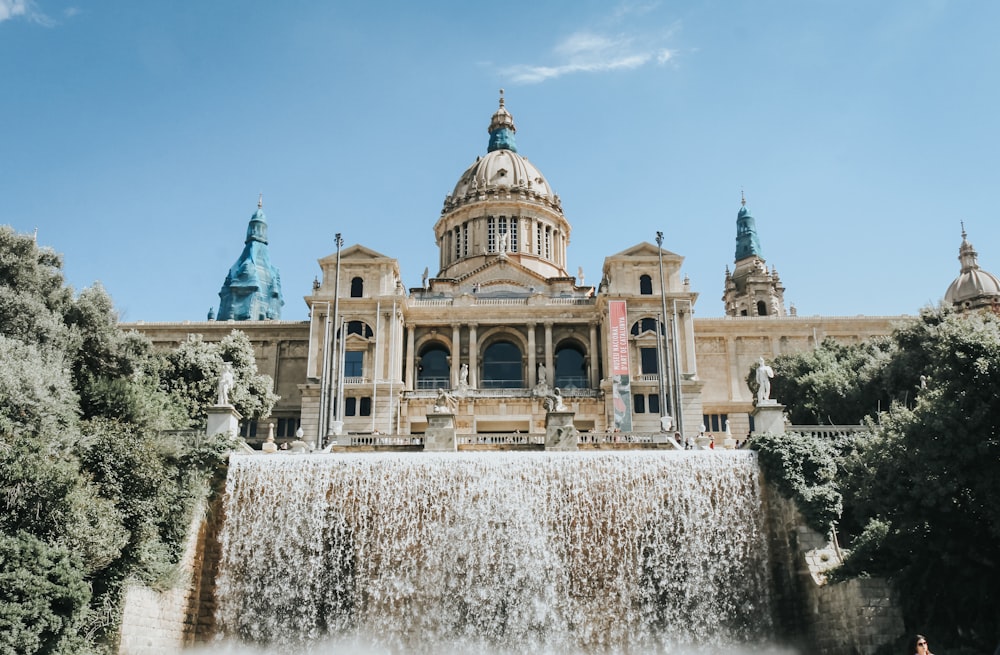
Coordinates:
501 97
963 228
743 200
260 201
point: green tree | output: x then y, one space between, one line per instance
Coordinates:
90 492
920 490
836 383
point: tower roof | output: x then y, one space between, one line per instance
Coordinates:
747 243
502 130
502 169
973 287
252 289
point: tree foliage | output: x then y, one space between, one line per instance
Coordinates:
91 492
193 370
920 492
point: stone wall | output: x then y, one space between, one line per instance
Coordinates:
844 618
163 622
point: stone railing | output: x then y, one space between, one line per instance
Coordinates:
500 439
569 392
828 430
357 440
619 437
501 301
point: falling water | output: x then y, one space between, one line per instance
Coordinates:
503 552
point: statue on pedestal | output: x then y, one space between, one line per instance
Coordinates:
554 401
226 381
764 375
445 403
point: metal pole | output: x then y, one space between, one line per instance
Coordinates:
662 335
378 346
676 353
324 384
331 404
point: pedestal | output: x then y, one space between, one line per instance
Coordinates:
769 417
223 419
560 433
440 434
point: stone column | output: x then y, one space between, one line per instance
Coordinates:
473 356
594 357
550 372
410 357
532 367
456 354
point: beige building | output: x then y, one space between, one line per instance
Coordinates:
503 325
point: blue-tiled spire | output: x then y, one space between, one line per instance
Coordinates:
252 290
502 130
747 243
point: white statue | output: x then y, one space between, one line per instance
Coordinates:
226 380
502 242
541 374
445 403
554 402
463 376
764 375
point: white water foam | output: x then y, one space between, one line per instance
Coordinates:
589 552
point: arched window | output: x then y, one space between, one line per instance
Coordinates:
571 367
357 287
645 285
644 325
360 328
502 366
761 308
434 372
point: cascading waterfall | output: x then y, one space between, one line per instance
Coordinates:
586 552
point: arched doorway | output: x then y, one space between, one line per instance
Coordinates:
502 366
571 367
434 371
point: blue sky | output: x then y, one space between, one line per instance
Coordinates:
137 136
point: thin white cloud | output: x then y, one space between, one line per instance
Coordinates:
12 9
590 52
26 9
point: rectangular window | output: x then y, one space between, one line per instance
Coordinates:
249 429
366 406
288 426
654 403
513 234
465 239
548 243
350 406
648 360
458 242
538 238
715 422
639 403
354 364
491 234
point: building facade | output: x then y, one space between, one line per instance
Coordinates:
503 327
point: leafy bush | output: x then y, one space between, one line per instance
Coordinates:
803 468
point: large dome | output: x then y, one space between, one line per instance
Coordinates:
973 287
502 172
